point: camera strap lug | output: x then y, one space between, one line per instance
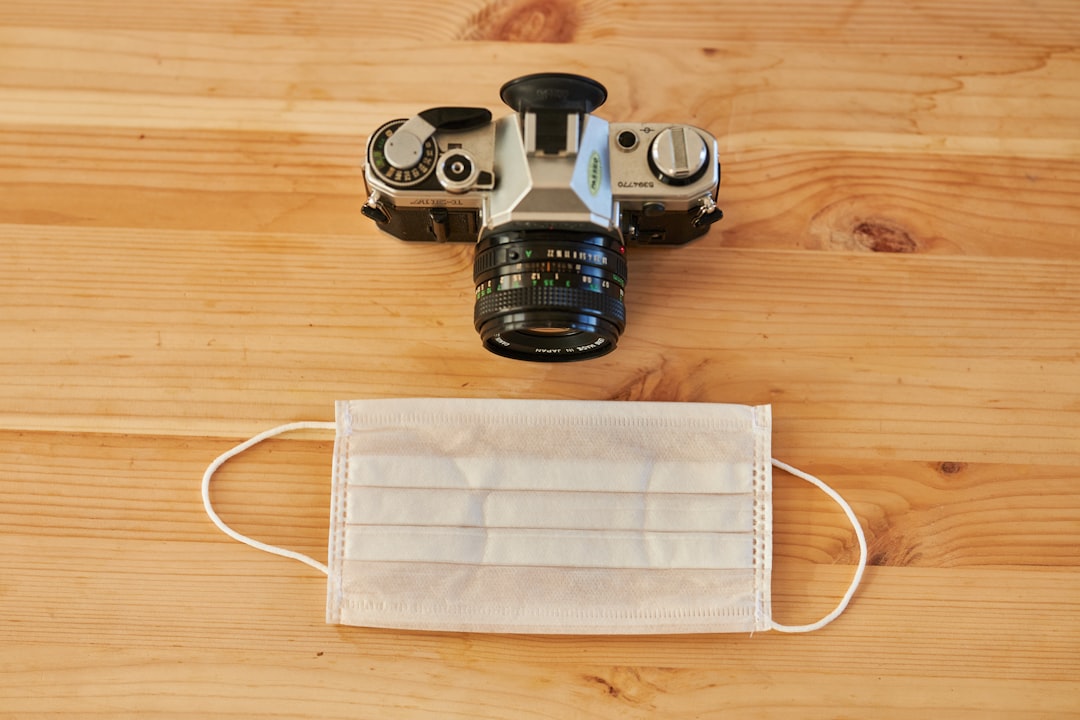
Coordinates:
708 214
373 210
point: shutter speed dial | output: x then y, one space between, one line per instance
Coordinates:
403 152
405 162
678 155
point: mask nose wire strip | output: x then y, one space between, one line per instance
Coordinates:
221 459
856 579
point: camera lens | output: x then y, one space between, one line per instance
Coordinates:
550 295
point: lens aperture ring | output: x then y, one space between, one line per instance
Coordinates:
510 257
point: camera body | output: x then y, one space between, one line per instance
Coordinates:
551 195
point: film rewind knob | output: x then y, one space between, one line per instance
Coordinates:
678 154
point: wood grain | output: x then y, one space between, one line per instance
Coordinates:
911 24
917 357
183 263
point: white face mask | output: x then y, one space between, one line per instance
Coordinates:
535 516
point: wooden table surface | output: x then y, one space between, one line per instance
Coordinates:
183 263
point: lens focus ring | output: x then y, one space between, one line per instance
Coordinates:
551 298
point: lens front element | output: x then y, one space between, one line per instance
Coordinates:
550 295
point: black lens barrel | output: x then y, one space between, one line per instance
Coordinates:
550 295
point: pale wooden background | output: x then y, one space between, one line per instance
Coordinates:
183 263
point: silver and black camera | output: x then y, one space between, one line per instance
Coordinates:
551 195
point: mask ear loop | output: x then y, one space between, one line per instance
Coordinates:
221 459
856 579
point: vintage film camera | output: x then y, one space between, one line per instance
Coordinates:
551 195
